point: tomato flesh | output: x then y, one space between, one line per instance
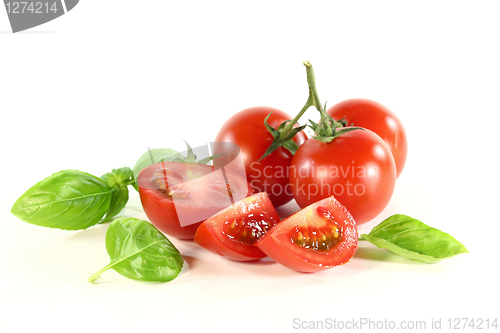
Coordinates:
323 236
233 231
318 237
178 197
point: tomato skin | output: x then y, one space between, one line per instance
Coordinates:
161 210
164 216
379 119
357 168
206 239
211 236
278 245
246 129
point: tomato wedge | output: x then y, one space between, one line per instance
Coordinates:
178 197
233 231
318 237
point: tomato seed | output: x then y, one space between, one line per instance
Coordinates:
323 235
247 230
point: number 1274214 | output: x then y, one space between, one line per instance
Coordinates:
31 7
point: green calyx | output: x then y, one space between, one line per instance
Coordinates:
326 130
331 129
191 157
282 137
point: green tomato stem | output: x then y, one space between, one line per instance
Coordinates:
289 126
324 123
312 100
325 130
313 92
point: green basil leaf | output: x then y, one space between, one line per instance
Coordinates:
139 251
153 156
69 200
118 180
413 239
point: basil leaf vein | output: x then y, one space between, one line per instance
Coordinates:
69 200
414 239
139 251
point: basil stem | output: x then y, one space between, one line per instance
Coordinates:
118 180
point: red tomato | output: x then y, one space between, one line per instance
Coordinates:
246 129
233 231
377 118
199 191
316 238
357 168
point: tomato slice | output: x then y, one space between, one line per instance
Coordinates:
318 237
178 197
233 231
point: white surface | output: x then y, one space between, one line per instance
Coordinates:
96 87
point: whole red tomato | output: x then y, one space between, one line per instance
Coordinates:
246 129
357 168
377 118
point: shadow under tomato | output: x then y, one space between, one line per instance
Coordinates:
266 261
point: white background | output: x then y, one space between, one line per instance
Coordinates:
96 87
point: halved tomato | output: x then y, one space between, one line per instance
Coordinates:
178 197
233 231
320 236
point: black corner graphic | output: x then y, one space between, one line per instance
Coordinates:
27 14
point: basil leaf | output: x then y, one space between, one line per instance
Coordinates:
139 251
153 156
69 200
413 239
117 180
